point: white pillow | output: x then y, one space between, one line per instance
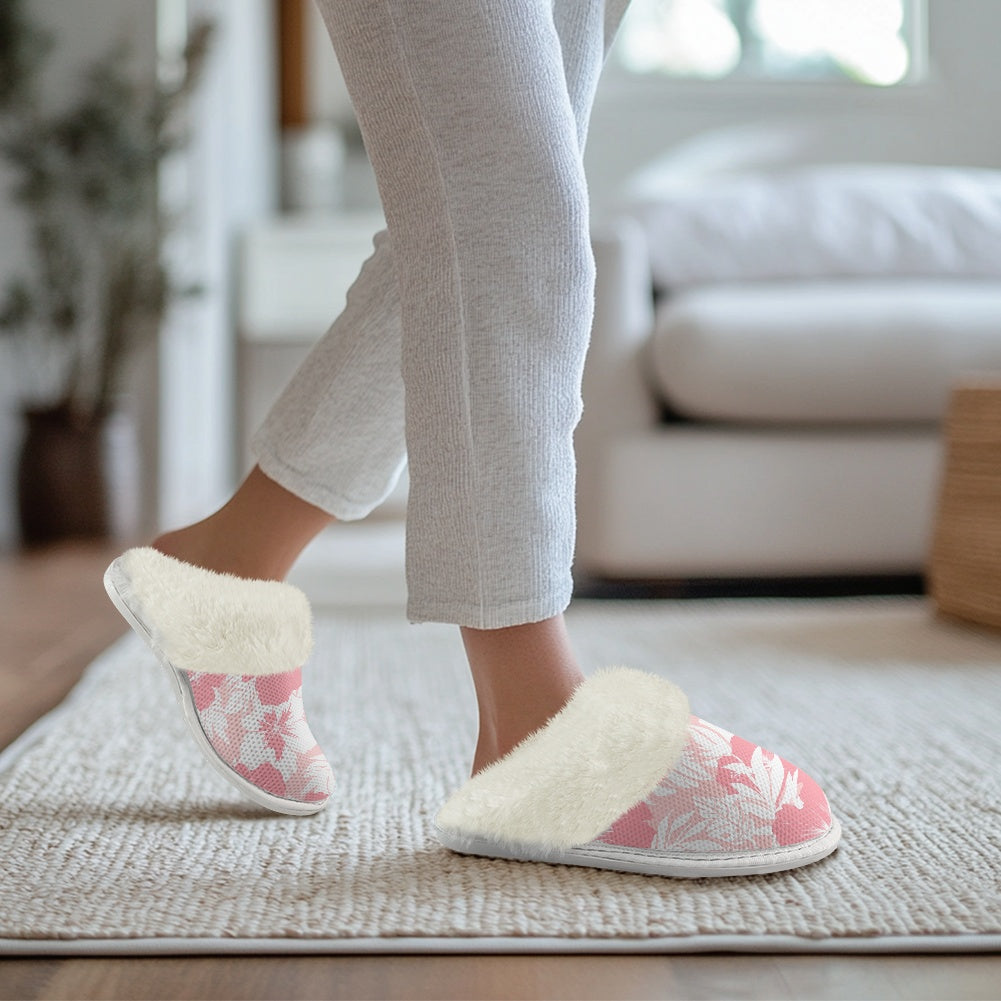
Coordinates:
855 220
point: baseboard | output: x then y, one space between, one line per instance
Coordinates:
750 587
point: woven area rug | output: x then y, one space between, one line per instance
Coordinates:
114 838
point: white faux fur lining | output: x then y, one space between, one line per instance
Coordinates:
603 753
213 622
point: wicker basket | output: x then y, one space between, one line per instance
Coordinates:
964 574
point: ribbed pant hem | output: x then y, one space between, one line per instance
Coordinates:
517 614
293 480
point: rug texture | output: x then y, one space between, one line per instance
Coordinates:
114 836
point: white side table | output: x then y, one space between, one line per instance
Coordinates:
294 274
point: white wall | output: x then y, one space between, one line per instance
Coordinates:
950 118
227 179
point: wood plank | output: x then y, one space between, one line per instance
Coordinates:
490 978
26 978
54 620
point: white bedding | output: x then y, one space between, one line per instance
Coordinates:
854 220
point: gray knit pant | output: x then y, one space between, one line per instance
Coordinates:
462 343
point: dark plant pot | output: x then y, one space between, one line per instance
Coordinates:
62 483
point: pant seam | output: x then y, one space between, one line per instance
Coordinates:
467 414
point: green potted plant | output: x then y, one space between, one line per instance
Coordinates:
86 176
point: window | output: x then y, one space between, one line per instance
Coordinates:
872 42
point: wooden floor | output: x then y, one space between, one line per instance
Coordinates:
54 618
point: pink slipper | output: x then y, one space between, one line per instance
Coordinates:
625 778
233 649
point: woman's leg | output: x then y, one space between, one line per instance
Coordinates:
469 123
468 120
332 446
335 437
524 674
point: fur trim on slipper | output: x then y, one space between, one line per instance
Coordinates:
211 622
605 751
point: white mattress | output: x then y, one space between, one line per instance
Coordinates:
824 351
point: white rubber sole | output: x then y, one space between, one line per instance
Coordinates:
115 578
650 862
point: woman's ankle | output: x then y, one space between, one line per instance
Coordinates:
523 676
258 533
500 736
208 545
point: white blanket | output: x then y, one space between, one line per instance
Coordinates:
855 220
